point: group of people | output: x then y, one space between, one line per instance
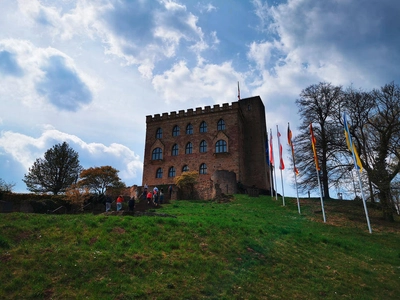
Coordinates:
156 197
119 201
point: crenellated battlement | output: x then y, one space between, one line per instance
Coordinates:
192 112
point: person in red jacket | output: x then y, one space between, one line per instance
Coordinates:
149 196
120 199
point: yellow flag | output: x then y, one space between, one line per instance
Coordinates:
351 146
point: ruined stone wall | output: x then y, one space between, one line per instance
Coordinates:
224 182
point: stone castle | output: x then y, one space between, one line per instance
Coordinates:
225 144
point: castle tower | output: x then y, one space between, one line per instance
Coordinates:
227 137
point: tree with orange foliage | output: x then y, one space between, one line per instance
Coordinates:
99 179
77 196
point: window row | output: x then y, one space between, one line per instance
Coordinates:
185 168
220 147
189 129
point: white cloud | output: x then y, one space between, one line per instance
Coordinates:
212 80
25 150
36 64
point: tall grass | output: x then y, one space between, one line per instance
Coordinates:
250 248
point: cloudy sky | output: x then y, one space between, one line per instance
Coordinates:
89 71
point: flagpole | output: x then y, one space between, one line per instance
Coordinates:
297 191
270 179
364 203
267 145
356 161
283 191
276 191
290 141
320 195
280 163
313 144
271 154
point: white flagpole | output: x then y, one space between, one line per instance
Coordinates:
270 166
294 165
320 195
297 191
364 203
270 178
355 166
273 165
283 191
313 143
276 190
280 163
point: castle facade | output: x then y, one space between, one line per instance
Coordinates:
225 144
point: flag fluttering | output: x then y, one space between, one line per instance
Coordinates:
314 148
281 164
313 144
271 150
290 142
296 172
351 146
357 165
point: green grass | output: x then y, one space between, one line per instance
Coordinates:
250 248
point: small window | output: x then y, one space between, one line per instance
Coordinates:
175 130
185 168
203 127
159 173
189 129
171 172
189 148
221 125
203 146
159 133
156 154
175 150
220 146
203 169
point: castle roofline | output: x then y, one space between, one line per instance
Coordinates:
198 111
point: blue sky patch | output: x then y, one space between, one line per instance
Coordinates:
9 65
62 86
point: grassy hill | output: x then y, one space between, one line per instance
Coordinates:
248 248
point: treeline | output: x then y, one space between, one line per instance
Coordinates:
60 172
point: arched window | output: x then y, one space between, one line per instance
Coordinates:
203 169
171 172
175 150
220 146
159 173
156 154
175 130
185 168
203 127
221 125
189 129
203 146
159 133
189 148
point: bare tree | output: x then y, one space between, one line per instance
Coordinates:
316 105
376 130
